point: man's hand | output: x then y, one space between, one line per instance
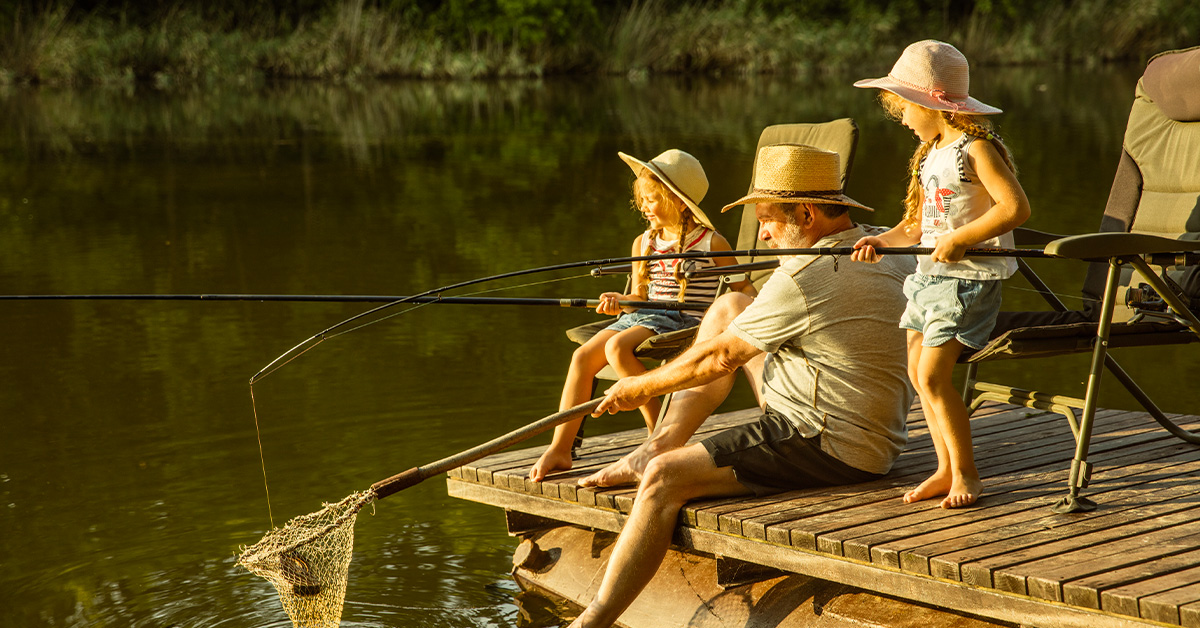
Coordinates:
624 395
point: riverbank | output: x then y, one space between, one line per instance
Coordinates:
356 40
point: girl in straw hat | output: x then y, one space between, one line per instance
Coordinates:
667 191
963 191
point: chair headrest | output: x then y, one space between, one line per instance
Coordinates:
1172 81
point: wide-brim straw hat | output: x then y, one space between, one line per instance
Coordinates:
932 74
796 173
681 173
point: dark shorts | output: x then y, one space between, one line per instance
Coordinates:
769 456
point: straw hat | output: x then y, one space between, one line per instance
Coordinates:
795 173
680 172
932 74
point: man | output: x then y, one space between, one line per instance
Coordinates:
823 347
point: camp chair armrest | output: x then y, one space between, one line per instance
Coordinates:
1025 236
1097 246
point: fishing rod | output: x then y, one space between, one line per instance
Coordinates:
322 335
843 250
348 298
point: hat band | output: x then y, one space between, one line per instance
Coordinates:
795 193
939 95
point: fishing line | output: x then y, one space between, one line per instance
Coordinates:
254 403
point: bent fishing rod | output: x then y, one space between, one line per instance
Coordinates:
324 334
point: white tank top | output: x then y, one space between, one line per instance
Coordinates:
954 197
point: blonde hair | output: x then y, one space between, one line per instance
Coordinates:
974 125
648 184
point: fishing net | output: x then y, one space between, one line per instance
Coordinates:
307 561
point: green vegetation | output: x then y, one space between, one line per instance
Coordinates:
188 42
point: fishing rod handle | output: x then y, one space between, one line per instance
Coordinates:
416 475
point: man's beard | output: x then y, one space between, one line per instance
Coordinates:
792 238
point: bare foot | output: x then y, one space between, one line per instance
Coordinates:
615 474
551 461
963 493
937 484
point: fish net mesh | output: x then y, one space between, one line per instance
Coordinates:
307 560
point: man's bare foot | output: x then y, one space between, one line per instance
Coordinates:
935 485
963 493
551 461
616 474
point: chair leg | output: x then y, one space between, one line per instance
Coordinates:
968 394
1081 469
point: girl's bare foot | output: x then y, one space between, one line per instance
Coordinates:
552 460
937 484
963 493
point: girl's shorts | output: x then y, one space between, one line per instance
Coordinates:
658 321
950 308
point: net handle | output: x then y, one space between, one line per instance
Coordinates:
416 475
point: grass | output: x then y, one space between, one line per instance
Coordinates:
355 40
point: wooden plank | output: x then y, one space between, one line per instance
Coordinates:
1156 599
927 553
1008 503
1001 607
805 533
1044 578
980 573
1085 592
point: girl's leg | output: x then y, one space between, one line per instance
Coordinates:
586 362
619 351
939 482
942 402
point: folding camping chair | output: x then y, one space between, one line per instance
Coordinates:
840 136
1143 284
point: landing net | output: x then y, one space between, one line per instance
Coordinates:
307 560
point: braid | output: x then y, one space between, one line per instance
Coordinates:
915 195
980 127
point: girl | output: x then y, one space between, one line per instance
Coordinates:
963 191
666 192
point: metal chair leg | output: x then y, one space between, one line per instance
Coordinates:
1081 469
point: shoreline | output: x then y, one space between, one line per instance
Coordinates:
356 42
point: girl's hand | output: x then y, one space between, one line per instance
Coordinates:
608 303
864 250
949 249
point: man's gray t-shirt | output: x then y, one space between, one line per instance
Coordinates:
836 363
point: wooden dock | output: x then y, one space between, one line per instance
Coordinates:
1134 561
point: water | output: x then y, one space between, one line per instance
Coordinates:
129 467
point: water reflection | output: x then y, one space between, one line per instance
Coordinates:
129 470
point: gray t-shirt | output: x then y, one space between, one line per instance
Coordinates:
837 357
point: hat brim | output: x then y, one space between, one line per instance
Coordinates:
969 106
759 196
637 165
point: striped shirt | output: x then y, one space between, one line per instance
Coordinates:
663 285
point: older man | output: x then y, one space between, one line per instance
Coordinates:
821 343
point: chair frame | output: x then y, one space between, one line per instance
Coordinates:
1117 250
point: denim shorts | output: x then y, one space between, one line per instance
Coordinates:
658 321
770 456
950 308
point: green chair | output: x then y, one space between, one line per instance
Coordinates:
1142 287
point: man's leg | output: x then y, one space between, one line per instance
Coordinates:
689 408
671 479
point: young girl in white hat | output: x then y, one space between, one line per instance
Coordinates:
667 191
963 192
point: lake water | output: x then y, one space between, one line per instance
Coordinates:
130 472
